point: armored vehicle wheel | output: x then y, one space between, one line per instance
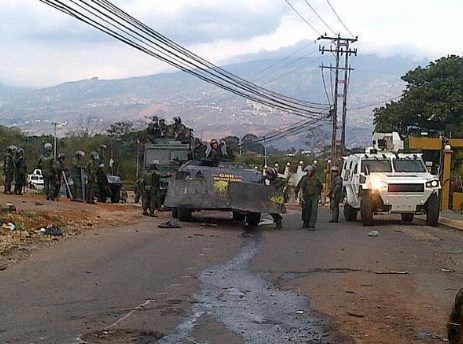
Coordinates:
175 213
407 217
116 197
432 211
237 216
184 214
350 213
366 211
253 219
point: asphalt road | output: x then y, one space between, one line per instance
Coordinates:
208 283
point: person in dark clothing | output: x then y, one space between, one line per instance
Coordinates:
46 165
311 188
335 193
20 172
8 167
278 183
58 168
151 183
78 176
214 152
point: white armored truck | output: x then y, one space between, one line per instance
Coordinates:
384 180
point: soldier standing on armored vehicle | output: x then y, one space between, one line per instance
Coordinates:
77 174
150 200
8 167
335 194
20 172
46 165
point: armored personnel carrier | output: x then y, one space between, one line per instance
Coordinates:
222 185
386 180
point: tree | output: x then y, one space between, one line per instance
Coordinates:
120 129
431 101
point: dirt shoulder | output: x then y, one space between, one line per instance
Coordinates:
30 213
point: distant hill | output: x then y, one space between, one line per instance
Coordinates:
211 111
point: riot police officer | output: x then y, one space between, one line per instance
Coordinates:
151 183
335 193
78 175
46 165
8 167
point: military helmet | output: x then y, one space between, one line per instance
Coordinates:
309 169
335 168
48 147
270 172
103 147
94 155
79 153
61 156
11 148
20 151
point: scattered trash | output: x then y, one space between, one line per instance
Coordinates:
392 272
169 224
38 203
10 208
373 233
445 270
208 225
51 230
300 312
9 226
357 315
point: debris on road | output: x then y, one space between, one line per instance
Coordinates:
52 230
169 224
373 233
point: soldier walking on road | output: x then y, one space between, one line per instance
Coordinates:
8 167
77 174
335 194
311 187
150 199
278 183
19 172
46 165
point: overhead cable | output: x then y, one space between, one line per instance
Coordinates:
108 18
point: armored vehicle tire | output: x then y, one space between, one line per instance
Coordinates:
432 211
253 219
116 197
237 216
175 213
407 217
350 213
366 212
184 214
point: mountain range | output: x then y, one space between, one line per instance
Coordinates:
94 104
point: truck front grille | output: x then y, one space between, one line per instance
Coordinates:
405 187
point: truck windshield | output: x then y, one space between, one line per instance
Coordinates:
376 165
408 165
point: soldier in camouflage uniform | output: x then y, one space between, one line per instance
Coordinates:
137 189
92 173
20 170
8 168
77 175
279 184
150 200
335 194
311 187
58 168
46 165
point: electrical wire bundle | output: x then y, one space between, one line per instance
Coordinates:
108 18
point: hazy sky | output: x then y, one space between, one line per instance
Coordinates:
41 46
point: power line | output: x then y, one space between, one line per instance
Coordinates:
300 16
319 17
374 104
111 20
334 11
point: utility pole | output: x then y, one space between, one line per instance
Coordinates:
339 47
55 148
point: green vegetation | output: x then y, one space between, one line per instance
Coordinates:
432 101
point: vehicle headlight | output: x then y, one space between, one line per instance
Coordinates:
432 184
378 184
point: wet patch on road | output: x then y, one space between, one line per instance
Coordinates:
121 336
248 305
